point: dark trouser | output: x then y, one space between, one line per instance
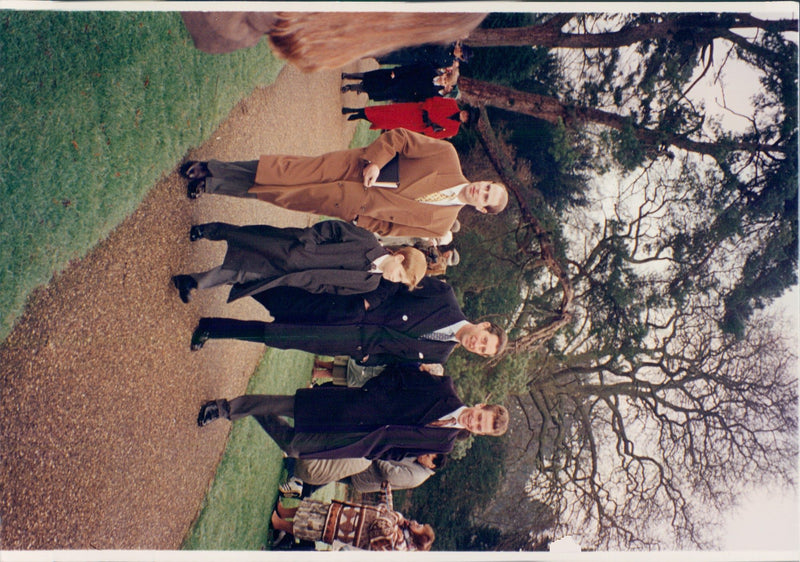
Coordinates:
231 178
322 340
221 276
296 443
266 409
257 405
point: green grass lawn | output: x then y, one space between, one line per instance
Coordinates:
235 513
96 106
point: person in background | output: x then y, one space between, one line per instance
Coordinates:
436 117
439 55
379 527
416 82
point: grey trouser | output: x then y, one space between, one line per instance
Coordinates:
231 178
318 472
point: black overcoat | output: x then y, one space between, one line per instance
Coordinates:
386 418
330 257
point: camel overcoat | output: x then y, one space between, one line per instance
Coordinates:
332 184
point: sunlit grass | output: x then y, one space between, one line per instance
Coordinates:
95 107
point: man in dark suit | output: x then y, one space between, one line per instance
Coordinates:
400 412
330 257
389 325
425 201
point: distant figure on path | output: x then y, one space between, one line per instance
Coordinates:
437 117
412 83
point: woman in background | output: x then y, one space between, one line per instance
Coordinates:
352 525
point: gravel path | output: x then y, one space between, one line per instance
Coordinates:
100 392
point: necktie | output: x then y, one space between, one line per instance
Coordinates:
442 423
433 197
437 336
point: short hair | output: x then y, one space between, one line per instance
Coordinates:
502 337
501 417
466 53
494 209
423 540
414 264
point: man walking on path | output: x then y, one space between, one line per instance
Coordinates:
422 326
399 413
424 199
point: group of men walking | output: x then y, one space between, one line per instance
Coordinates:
334 290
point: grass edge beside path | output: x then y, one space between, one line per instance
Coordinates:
97 106
236 510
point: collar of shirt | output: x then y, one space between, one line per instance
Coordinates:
454 416
453 329
375 266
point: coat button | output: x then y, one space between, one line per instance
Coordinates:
405 318
421 356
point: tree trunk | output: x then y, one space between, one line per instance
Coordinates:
550 109
549 34
547 253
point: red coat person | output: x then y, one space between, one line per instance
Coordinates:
437 117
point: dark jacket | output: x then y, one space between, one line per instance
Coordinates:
389 331
329 257
387 416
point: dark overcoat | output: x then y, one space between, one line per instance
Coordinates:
330 257
385 418
388 332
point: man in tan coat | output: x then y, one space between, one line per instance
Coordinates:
429 192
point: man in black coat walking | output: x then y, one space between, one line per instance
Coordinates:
330 257
400 412
389 325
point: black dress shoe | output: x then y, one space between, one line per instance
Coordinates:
194 170
196 188
184 284
196 232
200 337
208 413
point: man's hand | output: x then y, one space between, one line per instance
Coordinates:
435 369
371 173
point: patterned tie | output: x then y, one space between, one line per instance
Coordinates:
437 336
434 197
